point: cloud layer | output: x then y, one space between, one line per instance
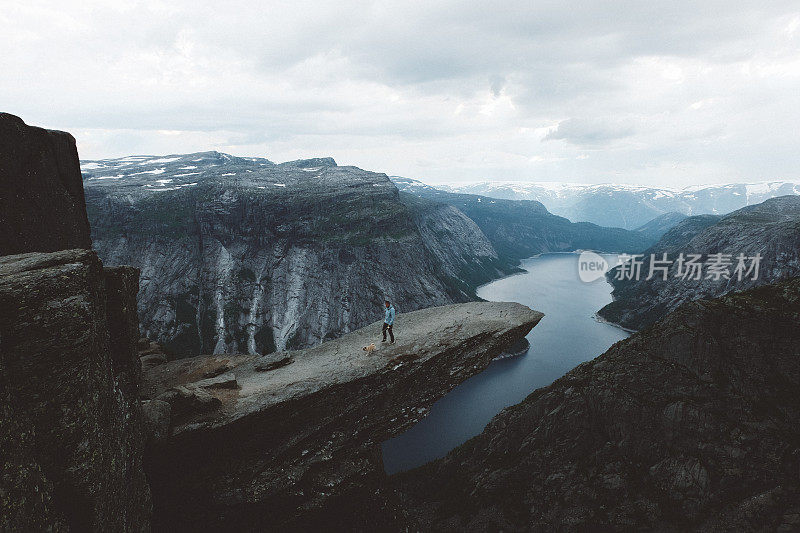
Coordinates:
641 92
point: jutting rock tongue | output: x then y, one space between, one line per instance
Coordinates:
42 207
293 440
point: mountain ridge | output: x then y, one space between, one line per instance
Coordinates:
630 206
243 255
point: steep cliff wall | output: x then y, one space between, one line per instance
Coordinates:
240 255
462 253
71 436
770 229
41 191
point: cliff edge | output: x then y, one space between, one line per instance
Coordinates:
293 439
71 434
70 431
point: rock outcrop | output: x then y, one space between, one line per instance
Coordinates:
297 445
240 255
41 191
770 229
70 429
690 425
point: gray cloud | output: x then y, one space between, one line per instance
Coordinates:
634 91
583 132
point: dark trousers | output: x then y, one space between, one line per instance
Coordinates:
388 327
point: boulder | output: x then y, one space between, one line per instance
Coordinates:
218 367
272 361
222 381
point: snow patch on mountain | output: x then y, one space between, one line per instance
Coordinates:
159 160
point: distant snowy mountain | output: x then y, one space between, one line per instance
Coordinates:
631 206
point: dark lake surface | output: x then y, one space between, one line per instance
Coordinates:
567 336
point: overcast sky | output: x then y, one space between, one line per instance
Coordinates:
662 93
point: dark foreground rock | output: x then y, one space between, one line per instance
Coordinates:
690 425
42 206
298 446
70 430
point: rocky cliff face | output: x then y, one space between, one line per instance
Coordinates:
771 229
70 429
41 192
464 255
690 425
293 440
240 255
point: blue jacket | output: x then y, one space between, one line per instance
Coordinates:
389 317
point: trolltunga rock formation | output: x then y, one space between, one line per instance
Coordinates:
298 446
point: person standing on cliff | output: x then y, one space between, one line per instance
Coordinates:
388 321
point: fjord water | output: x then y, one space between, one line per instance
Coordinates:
568 335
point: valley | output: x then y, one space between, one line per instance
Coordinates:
243 255
248 396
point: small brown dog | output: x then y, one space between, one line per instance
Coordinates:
369 349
